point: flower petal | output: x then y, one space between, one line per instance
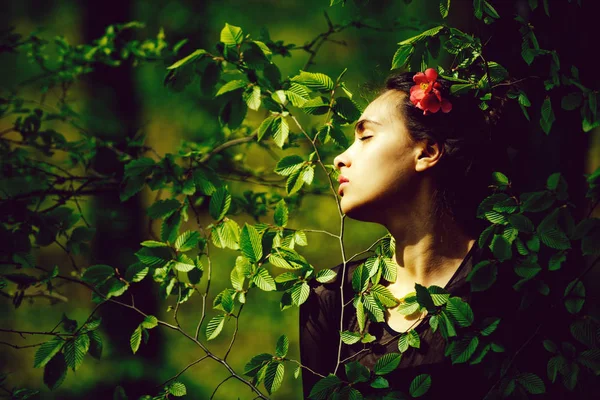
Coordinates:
431 74
446 106
420 78
430 103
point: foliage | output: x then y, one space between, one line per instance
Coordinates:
531 235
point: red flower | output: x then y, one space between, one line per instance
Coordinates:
426 93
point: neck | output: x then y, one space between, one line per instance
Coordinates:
429 248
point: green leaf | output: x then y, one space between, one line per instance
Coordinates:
347 109
547 116
326 276
219 203
461 88
531 383
384 295
482 276
380 383
501 248
491 327
256 363
149 322
231 86
250 243
136 339
170 227
490 10
280 130
402 56
521 223
281 213
574 296
274 376
46 351
154 257
374 308
252 98
360 314
324 387
555 239
177 389
215 326
264 280
413 339
424 298
188 59
420 385
300 292
460 310
75 350
55 373
356 372
439 295
423 35
283 344
360 278
265 127
153 244
408 305
463 349
387 363
139 167
187 241
288 165
95 344
350 337
231 35
97 274
444 8
312 80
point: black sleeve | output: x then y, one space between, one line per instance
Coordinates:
319 333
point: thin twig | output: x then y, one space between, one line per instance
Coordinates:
219 385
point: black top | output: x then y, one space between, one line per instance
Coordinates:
320 326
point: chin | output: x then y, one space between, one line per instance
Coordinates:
359 212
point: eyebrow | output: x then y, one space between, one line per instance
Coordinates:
360 125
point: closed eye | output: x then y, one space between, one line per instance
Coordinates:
362 139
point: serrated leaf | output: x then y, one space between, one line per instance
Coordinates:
55 373
402 56
283 344
482 276
299 293
97 274
439 295
289 164
136 339
75 349
170 227
324 387
420 385
531 383
264 280
356 372
350 337
250 243
188 59
281 213
281 130
463 349
387 363
177 389
326 276
219 203
314 80
183 263
274 376
231 35
187 241
95 344
215 326
46 351
460 310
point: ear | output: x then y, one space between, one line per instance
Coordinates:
429 154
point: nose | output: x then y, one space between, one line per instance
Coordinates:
341 160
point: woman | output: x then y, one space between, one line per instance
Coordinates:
420 164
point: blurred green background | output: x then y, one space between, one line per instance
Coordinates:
135 98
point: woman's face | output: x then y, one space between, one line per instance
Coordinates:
380 166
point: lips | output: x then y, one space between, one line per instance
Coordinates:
342 180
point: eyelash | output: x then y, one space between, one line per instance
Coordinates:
362 139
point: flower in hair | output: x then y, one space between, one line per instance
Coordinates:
426 93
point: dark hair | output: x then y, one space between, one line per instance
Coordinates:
464 172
